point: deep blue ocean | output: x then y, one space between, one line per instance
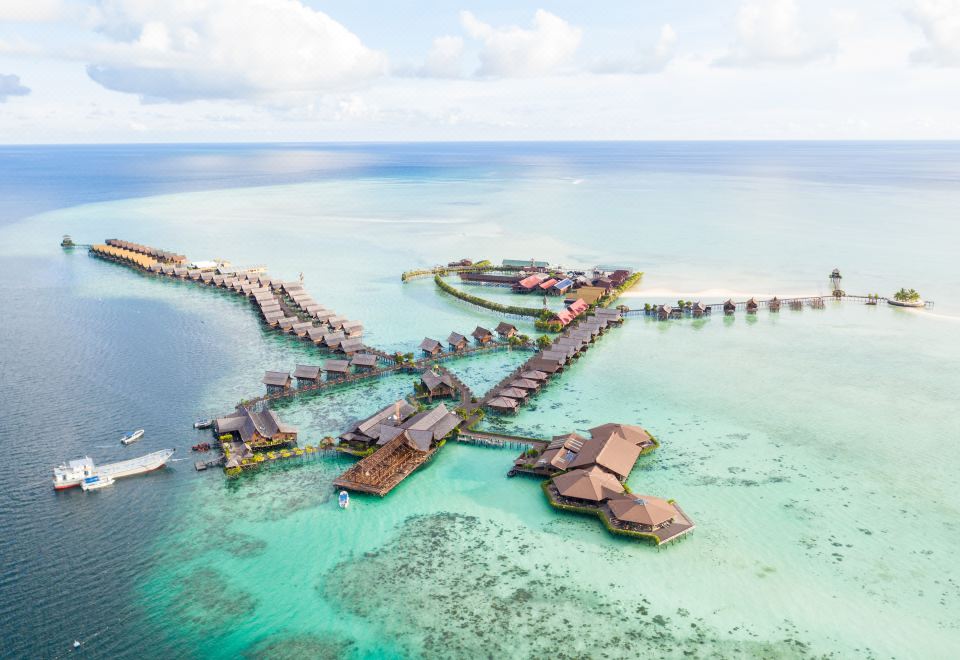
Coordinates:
88 349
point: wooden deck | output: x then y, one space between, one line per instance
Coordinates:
384 469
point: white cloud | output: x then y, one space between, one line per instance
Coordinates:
940 22
445 58
10 86
512 51
31 11
773 32
206 49
647 60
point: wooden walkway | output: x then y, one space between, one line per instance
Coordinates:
376 372
787 303
492 439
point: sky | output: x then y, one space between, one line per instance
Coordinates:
102 71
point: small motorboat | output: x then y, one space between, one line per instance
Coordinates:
203 424
133 437
201 446
96 481
344 499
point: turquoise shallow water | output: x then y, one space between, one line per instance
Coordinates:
814 449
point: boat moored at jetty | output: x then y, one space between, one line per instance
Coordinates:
76 472
344 499
133 437
203 424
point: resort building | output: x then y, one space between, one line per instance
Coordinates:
257 429
506 330
336 369
277 381
589 294
368 430
591 485
482 336
431 347
437 385
363 361
752 306
503 404
457 341
306 375
646 512
729 307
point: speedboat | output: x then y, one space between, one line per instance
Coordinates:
344 499
203 424
96 481
133 437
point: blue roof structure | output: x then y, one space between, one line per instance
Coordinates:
563 284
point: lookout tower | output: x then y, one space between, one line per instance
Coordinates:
835 278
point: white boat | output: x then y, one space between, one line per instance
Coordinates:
73 473
95 482
344 499
133 437
203 424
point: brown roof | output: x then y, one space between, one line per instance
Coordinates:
546 366
277 378
430 345
455 339
592 484
481 332
307 372
642 509
504 328
524 384
634 434
364 360
503 403
432 380
513 393
336 366
534 375
615 453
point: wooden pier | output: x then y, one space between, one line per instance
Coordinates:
502 440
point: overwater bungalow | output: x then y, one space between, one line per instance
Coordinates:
332 340
591 485
439 422
514 393
546 366
437 385
664 312
351 346
528 284
353 328
547 285
525 384
363 361
773 304
533 374
206 277
560 357
482 336
503 404
316 334
609 314
752 306
336 322
288 322
301 329
273 318
336 369
729 307
277 381
322 315
698 309
431 347
306 374
456 341
506 330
